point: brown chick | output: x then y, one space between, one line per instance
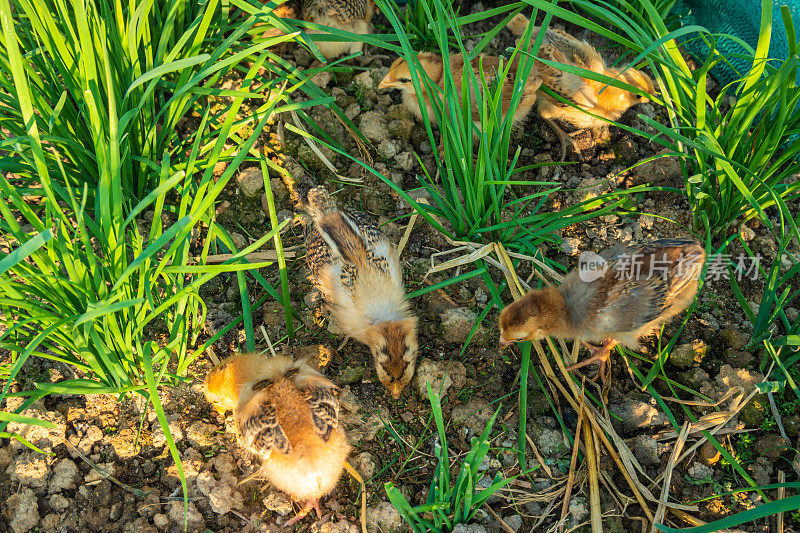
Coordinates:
641 288
288 415
399 77
356 272
593 96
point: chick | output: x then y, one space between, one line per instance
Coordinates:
357 273
593 96
399 77
288 415
634 290
349 15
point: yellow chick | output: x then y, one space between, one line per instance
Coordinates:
593 96
357 273
399 77
288 415
630 293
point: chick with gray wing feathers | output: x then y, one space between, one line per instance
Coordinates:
642 287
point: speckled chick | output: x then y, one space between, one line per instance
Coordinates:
643 286
399 77
288 415
593 96
357 274
349 15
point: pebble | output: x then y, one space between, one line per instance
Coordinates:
458 323
366 465
636 414
223 498
277 502
65 474
685 355
373 126
700 471
251 182
384 518
441 375
22 510
405 160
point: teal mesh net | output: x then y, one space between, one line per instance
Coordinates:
741 18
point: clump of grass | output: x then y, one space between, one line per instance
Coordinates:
449 503
739 147
107 206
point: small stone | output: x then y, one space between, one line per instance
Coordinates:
570 246
159 439
550 442
474 415
469 528
193 518
387 148
351 374
322 79
65 474
251 182
734 338
30 469
94 475
366 465
58 502
405 160
205 482
645 449
384 518
39 436
636 414
200 434
160 520
514 522
352 111
700 471
746 233
685 355
373 126
791 314
277 502
364 80
22 510
93 435
663 170
223 498
441 375
578 510
457 324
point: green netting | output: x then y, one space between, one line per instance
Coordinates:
741 18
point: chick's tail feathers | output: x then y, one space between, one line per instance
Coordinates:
518 24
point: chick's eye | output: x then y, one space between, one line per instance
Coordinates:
403 80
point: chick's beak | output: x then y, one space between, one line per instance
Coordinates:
395 389
386 83
504 342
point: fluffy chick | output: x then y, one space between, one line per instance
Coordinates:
642 287
356 271
288 415
349 15
399 77
593 96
